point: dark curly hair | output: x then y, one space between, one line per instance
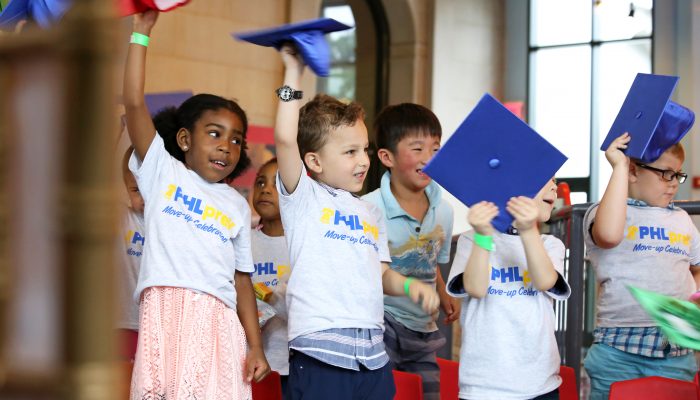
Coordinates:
169 120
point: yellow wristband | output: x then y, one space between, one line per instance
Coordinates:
139 38
407 286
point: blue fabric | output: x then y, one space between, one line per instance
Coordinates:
497 156
43 12
416 247
308 36
675 122
310 378
653 121
606 365
641 203
646 341
415 352
349 348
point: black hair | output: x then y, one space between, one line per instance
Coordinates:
396 122
273 160
170 120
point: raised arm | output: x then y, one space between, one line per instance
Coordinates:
138 119
287 122
476 272
609 224
539 264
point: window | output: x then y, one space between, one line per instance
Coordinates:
340 83
584 56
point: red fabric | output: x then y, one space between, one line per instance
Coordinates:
129 7
653 387
449 379
408 386
127 344
269 388
567 390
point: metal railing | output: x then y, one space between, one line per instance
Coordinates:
567 224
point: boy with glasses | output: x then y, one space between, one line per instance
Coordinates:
636 237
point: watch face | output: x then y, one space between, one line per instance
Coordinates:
285 93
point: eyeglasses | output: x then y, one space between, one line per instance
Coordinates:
666 174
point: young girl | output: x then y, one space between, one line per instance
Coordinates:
191 343
272 267
508 282
132 239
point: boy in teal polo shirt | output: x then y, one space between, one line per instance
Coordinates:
419 230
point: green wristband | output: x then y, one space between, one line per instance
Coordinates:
407 286
483 241
139 38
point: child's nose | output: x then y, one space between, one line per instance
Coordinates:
225 146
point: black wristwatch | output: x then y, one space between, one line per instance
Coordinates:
286 93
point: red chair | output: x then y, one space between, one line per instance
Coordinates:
269 388
567 390
408 386
449 379
653 387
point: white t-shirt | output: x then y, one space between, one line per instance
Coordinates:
508 346
337 243
271 262
132 239
655 254
198 232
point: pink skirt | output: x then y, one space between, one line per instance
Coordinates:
190 346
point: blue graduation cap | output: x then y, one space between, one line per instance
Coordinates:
158 101
494 156
43 12
308 36
653 121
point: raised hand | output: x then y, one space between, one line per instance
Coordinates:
144 22
614 153
525 212
291 58
480 216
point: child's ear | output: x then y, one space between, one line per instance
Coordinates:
632 172
184 139
386 158
313 162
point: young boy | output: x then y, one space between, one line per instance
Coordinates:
132 241
419 230
508 281
271 261
337 247
635 236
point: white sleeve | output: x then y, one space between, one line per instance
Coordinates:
694 244
148 171
293 203
455 282
557 253
382 238
241 245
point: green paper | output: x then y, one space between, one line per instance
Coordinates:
678 319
